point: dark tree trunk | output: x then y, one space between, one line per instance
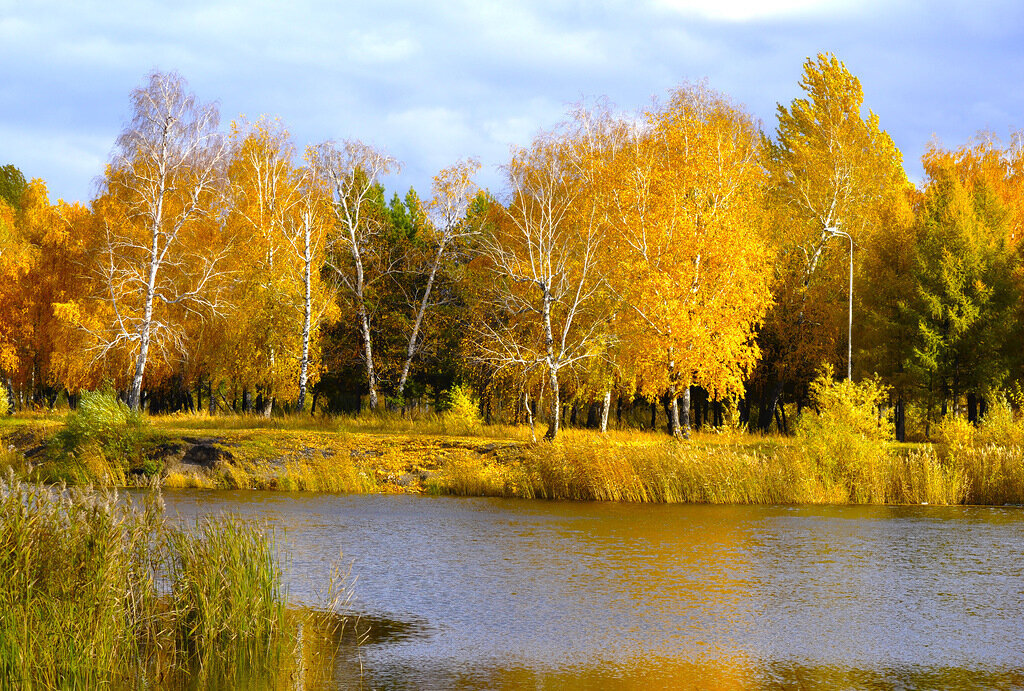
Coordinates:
972 408
769 401
982 408
900 420
684 412
654 415
9 390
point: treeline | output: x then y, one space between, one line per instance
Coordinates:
678 262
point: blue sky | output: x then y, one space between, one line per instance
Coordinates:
435 82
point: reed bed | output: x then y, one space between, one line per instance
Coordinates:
678 472
97 592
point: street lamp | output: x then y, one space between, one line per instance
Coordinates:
834 232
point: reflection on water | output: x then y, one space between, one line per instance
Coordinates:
485 593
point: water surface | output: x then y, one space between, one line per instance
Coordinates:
488 593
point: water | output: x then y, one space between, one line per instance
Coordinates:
486 593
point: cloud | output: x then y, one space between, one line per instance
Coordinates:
437 82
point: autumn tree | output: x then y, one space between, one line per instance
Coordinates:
12 185
964 276
453 190
306 231
540 262
159 210
265 195
41 252
834 172
15 261
355 252
687 210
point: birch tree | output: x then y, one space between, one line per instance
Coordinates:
542 270
159 213
687 206
833 172
307 235
355 253
265 196
453 191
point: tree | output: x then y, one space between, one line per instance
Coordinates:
453 190
964 277
160 217
542 279
832 171
355 252
265 198
687 208
12 185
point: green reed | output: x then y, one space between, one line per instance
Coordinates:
97 592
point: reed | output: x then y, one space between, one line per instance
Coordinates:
77 596
96 592
591 468
226 601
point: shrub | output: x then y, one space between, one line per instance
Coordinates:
459 412
100 441
845 440
956 433
1000 426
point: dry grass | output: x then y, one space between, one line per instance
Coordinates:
829 461
762 472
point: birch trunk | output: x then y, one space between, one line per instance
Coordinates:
606 404
410 351
371 373
552 365
307 315
529 415
135 393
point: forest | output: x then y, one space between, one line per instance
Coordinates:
681 266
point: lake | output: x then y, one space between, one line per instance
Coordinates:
492 593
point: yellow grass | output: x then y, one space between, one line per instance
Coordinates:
389 453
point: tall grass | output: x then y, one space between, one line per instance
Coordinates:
225 592
95 592
671 472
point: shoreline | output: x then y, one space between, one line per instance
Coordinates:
734 468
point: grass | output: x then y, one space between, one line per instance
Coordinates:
753 470
95 592
842 458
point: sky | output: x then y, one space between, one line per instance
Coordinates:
435 82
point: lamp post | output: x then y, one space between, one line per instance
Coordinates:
834 232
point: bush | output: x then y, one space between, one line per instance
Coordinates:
100 441
459 412
846 439
1000 425
956 433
